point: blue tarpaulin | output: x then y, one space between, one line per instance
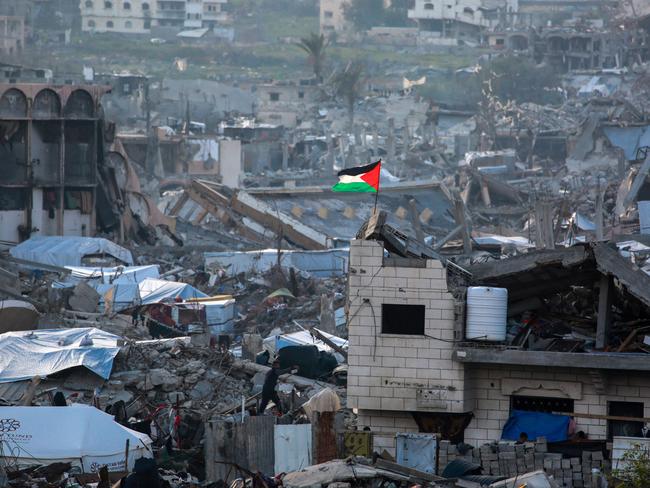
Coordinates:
68 250
628 138
536 424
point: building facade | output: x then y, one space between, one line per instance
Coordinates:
48 184
412 370
139 16
332 17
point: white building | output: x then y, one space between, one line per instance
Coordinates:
332 18
139 16
459 18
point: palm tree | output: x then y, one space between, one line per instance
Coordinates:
315 46
347 85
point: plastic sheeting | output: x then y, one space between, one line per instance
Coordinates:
323 264
303 338
157 291
417 451
116 275
628 138
325 400
24 355
67 250
292 447
536 424
84 436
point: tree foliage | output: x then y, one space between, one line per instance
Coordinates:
315 46
636 470
348 86
365 14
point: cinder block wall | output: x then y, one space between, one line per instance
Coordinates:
492 387
386 370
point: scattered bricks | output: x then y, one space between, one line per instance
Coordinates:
566 464
597 455
507 455
541 445
575 461
548 464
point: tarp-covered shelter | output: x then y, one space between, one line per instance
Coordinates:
24 355
68 250
79 434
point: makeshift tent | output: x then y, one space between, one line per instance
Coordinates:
323 264
115 275
303 338
536 424
17 315
68 250
157 291
80 434
24 355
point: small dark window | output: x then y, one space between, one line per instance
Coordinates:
328 14
91 23
147 24
541 404
301 95
108 5
145 6
402 319
89 4
109 24
428 6
274 96
127 6
13 199
500 42
624 427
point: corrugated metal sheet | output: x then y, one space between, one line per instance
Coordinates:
292 447
249 445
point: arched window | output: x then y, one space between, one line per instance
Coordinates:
80 104
46 105
128 24
428 6
145 6
109 24
91 23
108 4
127 6
13 103
89 4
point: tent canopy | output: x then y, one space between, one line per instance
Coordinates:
67 250
85 436
115 275
24 355
157 291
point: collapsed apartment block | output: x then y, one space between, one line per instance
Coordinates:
63 173
460 353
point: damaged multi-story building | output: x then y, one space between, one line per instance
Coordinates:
62 171
429 351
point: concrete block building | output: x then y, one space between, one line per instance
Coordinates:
412 370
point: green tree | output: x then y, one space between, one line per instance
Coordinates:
364 14
348 86
315 46
636 470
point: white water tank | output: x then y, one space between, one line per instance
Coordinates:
644 216
487 313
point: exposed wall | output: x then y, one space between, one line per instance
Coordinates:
332 18
231 164
388 371
493 385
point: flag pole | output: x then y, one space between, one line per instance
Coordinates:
374 210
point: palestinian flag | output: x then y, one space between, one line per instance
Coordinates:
364 179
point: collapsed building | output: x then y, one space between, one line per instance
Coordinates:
426 353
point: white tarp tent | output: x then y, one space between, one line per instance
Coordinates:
157 291
68 250
24 355
80 434
116 275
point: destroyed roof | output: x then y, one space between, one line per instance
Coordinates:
24 355
339 215
68 250
548 271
